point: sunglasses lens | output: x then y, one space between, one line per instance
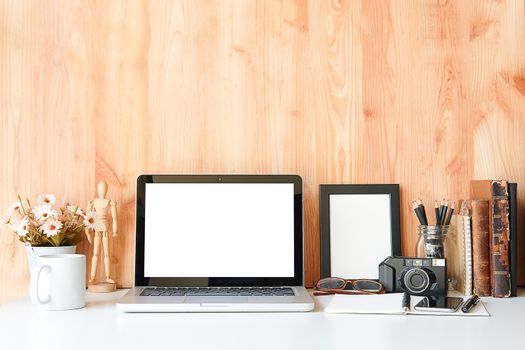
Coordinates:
369 286
331 283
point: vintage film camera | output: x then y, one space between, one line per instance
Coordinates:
416 276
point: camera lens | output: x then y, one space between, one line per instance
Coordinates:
416 281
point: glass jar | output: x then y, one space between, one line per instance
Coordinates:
432 241
440 242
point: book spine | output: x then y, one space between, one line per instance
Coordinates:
468 254
500 276
513 253
481 247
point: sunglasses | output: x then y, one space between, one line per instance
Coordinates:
335 285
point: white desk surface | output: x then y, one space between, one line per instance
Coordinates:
101 326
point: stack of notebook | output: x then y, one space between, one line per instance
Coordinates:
485 261
485 254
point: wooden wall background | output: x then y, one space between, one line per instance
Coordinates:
427 94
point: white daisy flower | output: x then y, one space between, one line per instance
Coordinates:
44 212
90 220
46 199
21 227
51 227
16 207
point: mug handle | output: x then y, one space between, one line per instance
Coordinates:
33 285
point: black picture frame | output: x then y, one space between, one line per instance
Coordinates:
327 237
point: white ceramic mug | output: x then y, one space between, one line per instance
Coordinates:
58 282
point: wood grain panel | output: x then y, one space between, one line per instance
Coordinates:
47 136
427 94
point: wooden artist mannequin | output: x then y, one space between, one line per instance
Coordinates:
101 206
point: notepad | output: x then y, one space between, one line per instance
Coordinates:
389 304
460 260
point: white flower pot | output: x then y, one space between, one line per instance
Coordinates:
34 252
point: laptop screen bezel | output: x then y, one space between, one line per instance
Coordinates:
141 280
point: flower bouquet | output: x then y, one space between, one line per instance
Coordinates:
44 226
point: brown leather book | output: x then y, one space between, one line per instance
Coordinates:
513 241
496 192
500 263
481 247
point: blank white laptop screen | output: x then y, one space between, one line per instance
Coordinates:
219 230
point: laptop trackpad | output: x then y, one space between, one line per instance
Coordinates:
215 300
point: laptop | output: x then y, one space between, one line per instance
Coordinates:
218 243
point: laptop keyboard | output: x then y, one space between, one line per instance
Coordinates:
217 291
